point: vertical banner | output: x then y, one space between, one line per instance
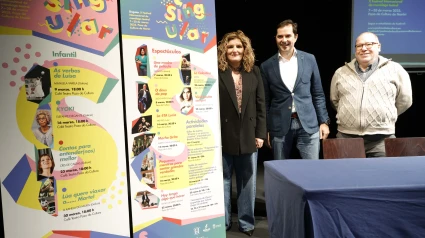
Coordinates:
63 166
172 108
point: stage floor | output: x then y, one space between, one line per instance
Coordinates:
261 225
261 228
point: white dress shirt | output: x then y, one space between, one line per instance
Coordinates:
289 71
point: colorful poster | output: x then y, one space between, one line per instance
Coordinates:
63 172
173 126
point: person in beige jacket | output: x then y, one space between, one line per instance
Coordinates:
368 94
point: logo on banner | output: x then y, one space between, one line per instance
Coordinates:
206 229
183 13
196 230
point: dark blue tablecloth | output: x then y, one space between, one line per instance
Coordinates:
376 197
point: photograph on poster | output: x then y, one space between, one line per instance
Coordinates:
142 60
47 196
48 205
142 142
186 69
148 177
42 127
45 164
144 97
37 84
47 188
147 199
186 101
143 124
148 162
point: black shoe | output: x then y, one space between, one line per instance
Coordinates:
229 227
248 233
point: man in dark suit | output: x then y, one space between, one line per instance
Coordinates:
145 99
295 102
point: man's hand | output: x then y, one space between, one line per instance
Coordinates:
268 143
324 131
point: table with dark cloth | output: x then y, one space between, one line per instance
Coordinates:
373 197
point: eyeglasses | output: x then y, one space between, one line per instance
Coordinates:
367 44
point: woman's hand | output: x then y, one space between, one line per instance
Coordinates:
259 142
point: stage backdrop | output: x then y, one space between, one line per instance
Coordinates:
63 166
173 126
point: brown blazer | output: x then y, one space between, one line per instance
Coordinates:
238 131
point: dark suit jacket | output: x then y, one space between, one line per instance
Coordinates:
148 98
308 96
239 130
